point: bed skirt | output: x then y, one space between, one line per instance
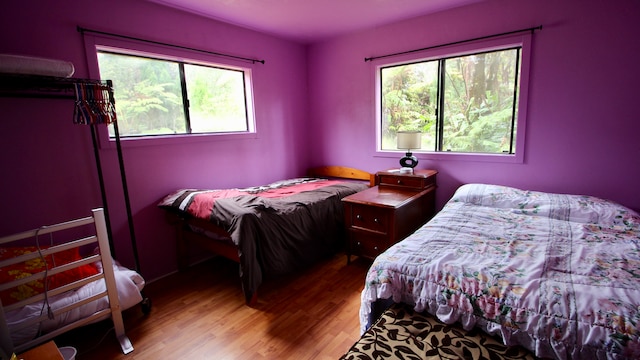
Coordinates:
402 333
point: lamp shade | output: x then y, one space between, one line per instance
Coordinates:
409 140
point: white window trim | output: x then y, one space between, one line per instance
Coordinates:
94 43
523 40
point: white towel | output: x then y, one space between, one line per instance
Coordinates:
29 65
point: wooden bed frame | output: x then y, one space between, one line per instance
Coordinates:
104 255
224 247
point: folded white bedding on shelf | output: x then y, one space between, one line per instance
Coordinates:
30 65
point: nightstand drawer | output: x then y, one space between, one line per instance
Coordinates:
366 244
400 181
410 182
369 218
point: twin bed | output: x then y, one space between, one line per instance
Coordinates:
269 230
557 274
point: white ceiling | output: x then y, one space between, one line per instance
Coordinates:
311 20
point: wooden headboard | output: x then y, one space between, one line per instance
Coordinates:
341 172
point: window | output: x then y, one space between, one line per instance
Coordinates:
157 96
464 103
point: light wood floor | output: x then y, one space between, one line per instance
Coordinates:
201 314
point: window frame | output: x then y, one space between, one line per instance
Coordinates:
519 40
95 43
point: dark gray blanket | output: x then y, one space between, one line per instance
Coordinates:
276 235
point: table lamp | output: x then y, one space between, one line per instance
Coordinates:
408 140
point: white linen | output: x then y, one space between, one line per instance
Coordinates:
128 282
30 65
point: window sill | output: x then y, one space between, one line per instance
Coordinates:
164 140
451 156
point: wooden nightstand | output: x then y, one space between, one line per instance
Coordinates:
386 213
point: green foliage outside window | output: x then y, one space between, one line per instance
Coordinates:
216 99
461 104
150 101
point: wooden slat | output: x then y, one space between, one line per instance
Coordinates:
48 251
47 229
340 172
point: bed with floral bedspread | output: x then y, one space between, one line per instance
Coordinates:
558 274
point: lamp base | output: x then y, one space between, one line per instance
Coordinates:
409 160
406 170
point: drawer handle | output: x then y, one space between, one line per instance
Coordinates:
358 243
376 221
359 217
375 248
399 182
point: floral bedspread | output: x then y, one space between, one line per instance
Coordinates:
557 274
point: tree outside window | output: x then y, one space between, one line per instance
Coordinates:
462 104
163 97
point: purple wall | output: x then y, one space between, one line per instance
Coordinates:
48 168
582 125
315 106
